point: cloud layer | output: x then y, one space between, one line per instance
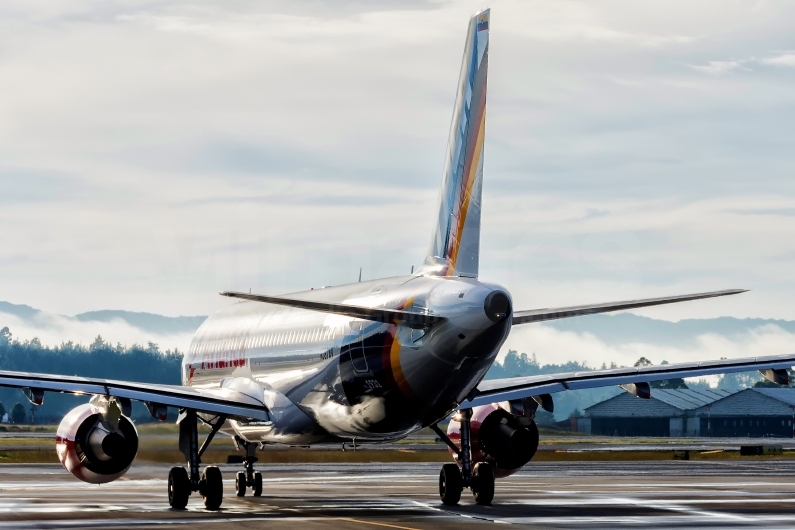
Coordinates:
53 330
153 154
553 346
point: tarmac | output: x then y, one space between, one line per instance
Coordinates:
748 493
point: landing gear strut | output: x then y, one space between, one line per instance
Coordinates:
453 480
249 477
182 482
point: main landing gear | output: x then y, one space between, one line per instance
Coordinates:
182 482
453 480
249 477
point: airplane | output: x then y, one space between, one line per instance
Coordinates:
368 362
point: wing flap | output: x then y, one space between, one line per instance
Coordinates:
377 314
201 400
539 315
494 390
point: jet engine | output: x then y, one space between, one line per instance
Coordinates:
504 440
96 442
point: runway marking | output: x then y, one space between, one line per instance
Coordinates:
322 515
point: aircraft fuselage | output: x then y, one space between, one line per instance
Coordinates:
329 377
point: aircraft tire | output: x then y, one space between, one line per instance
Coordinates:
257 484
240 484
213 490
178 488
483 483
451 484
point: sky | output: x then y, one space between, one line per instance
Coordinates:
155 153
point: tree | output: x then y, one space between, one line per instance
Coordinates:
98 344
5 336
2 410
18 413
669 384
666 384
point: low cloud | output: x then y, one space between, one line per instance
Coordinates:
52 330
554 346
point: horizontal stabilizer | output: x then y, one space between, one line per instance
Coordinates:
539 315
496 390
377 314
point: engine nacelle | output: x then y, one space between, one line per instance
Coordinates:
90 450
504 440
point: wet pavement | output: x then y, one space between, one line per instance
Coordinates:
659 494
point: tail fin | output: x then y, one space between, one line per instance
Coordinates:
455 246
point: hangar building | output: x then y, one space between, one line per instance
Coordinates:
666 413
753 412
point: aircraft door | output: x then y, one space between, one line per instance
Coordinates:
358 359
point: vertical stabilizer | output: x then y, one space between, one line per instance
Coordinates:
455 246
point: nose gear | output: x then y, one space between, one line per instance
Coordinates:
248 478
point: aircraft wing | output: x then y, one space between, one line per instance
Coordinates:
494 390
213 401
539 315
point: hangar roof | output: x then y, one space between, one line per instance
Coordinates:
689 399
663 403
756 402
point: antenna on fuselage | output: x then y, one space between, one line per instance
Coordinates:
412 269
360 274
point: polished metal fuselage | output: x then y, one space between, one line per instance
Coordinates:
326 377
